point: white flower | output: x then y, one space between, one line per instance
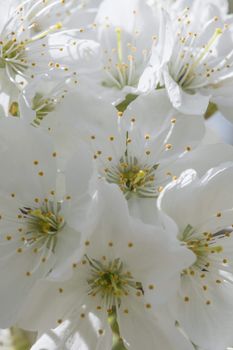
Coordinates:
125 31
202 209
135 153
36 239
145 148
193 57
25 53
129 268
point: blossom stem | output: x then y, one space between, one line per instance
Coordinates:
117 341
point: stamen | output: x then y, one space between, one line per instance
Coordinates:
217 33
45 33
122 67
15 53
186 73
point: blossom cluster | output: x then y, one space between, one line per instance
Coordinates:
116 201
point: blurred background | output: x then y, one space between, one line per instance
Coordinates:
231 5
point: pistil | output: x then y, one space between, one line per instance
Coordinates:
119 45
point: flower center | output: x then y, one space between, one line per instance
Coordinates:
203 245
42 223
12 51
111 281
133 178
121 72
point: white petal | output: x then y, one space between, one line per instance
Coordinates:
130 16
23 146
49 302
179 200
17 284
200 195
202 159
140 329
151 111
147 81
225 107
104 224
182 101
206 325
78 55
67 246
80 332
79 172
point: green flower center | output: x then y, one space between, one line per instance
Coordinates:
111 281
45 222
42 223
202 246
12 51
133 178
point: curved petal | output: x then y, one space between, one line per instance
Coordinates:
201 159
200 194
184 102
208 326
69 336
